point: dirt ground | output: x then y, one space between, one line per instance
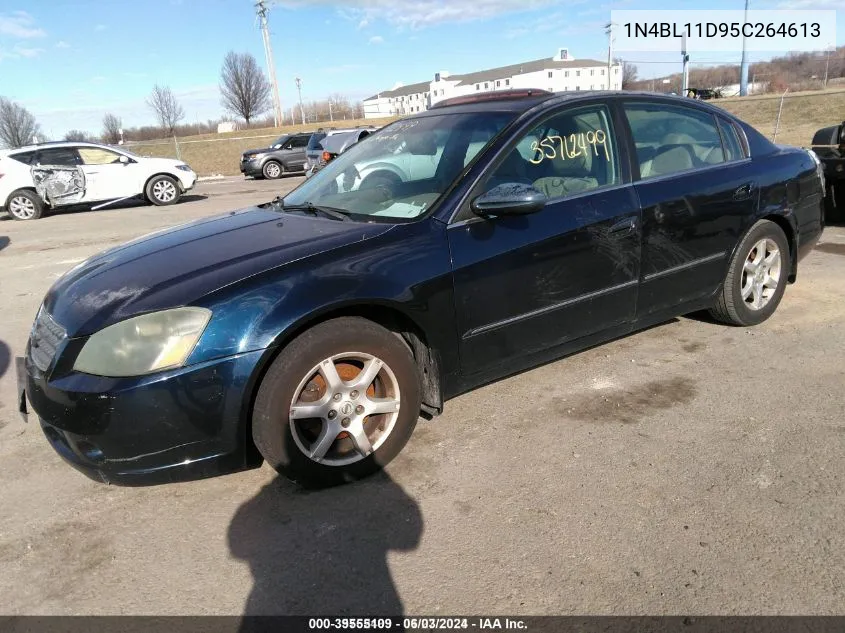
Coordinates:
689 469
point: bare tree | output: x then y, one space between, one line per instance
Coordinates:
17 125
166 108
111 129
629 73
78 136
245 90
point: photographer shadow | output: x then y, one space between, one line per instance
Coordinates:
324 552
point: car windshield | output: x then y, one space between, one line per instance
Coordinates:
403 169
280 141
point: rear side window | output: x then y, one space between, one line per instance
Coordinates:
672 139
314 141
63 156
299 141
23 157
733 148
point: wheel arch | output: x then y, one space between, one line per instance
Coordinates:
388 316
787 223
156 175
27 188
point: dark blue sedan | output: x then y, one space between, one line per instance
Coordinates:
447 250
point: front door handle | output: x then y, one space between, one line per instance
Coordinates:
623 227
743 192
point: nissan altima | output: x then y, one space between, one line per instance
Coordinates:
485 236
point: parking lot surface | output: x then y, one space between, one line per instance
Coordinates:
689 469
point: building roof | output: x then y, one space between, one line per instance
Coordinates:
404 91
520 69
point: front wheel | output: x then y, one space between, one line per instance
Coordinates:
162 190
272 170
757 277
338 403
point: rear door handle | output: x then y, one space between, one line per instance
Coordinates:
743 192
623 227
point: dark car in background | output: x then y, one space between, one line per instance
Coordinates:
314 151
333 146
829 146
314 330
285 155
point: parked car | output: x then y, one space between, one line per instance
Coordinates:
312 331
705 94
333 146
53 175
829 146
314 151
285 155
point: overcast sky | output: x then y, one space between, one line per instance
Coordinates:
71 61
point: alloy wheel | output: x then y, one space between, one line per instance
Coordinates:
164 191
344 409
272 170
22 207
761 274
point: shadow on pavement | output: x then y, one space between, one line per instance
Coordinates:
325 551
4 241
5 358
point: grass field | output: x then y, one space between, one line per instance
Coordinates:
803 114
212 154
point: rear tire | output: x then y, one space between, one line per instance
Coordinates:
323 445
162 191
757 277
835 204
272 170
24 204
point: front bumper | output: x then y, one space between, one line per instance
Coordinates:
174 426
251 167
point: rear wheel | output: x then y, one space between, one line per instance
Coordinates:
272 170
757 277
25 205
338 403
162 190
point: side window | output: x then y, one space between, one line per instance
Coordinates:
63 156
568 153
98 156
733 148
671 139
23 157
300 141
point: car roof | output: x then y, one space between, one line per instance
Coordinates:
49 144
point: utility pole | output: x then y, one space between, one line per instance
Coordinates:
331 118
299 89
685 75
609 31
826 66
743 66
261 10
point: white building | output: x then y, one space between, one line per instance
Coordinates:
560 73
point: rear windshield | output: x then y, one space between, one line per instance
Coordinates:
314 141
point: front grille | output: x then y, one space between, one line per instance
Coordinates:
44 340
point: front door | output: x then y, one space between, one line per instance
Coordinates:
106 177
526 283
295 154
697 190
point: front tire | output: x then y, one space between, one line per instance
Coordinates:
272 170
24 205
757 277
163 191
338 403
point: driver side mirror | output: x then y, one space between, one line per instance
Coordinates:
510 198
123 160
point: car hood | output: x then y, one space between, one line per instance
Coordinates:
263 150
178 266
163 163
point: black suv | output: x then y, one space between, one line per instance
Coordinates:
285 154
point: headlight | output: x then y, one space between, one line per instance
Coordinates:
143 344
183 167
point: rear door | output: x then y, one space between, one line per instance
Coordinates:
696 191
58 176
530 282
